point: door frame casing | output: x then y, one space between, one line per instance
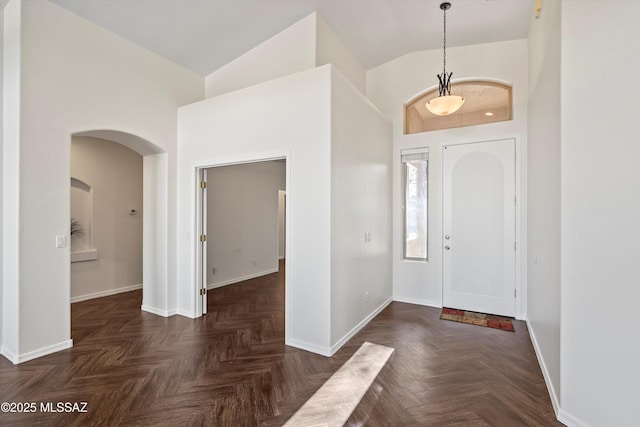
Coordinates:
201 252
196 168
520 219
282 192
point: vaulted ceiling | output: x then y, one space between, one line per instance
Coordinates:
203 35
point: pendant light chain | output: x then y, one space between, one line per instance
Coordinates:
444 103
444 45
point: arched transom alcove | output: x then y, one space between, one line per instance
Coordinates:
486 101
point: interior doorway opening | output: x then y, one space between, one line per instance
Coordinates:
242 226
144 215
106 223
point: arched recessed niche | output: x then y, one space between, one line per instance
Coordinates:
82 213
485 101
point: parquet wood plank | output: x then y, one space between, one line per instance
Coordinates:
231 368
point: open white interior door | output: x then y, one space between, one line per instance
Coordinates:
479 227
202 239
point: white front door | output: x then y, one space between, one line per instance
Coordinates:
479 227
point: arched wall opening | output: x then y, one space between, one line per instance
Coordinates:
487 100
154 216
106 219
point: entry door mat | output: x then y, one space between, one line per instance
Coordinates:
480 319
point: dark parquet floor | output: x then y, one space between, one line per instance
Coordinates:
231 368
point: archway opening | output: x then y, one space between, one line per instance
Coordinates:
143 210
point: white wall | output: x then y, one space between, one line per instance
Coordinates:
600 207
331 50
361 143
543 215
306 44
114 173
11 174
242 221
1 163
287 52
234 128
320 122
389 86
78 77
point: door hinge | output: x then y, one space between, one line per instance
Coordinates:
515 293
203 184
514 246
203 291
203 238
515 200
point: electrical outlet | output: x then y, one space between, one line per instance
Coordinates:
366 297
255 262
214 270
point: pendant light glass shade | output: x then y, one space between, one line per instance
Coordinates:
444 105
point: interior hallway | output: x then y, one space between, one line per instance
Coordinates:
231 367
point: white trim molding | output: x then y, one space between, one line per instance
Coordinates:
105 293
545 372
563 416
158 311
417 301
241 279
186 314
303 345
569 420
342 341
44 351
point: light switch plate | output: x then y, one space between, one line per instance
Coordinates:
61 241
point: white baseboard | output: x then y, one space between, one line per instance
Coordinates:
417 301
342 341
157 311
569 420
185 313
105 293
303 345
545 372
330 351
25 357
240 279
12 357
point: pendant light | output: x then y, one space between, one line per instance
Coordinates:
445 103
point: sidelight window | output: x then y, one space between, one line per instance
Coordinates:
415 171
